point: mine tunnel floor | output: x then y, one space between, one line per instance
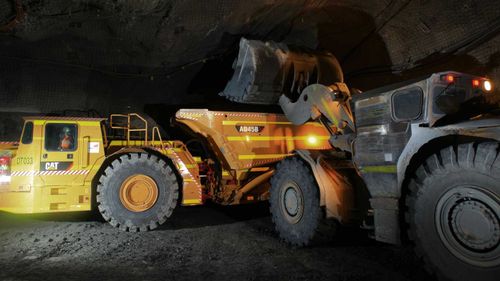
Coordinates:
197 243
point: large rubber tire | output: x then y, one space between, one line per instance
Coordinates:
293 186
453 211
114 209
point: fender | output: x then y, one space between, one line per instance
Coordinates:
335 189
485 128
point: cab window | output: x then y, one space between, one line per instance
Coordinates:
60 137
27 133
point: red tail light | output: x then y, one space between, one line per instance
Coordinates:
5 165
448 78
4 160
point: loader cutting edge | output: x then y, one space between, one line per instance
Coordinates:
263 71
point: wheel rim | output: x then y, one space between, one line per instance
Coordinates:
138 193
467 220
292 202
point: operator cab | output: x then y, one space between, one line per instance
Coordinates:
456 96
47 171
436 100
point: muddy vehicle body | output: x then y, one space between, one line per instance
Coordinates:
426 151
428 154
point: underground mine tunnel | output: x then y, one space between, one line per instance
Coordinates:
249 140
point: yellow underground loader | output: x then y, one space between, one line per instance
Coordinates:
133 176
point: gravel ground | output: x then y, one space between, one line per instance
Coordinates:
208 242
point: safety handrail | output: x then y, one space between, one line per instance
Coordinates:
114 124
112 118
156 131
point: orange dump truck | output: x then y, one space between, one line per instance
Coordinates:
63 164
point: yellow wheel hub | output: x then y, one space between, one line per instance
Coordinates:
138 193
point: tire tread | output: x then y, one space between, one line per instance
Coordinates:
481 157
125 161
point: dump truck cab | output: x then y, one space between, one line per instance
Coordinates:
50 169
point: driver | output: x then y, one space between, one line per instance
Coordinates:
66 139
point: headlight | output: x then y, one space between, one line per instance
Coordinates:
487 86
312 140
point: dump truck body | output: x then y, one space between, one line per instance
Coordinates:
248 145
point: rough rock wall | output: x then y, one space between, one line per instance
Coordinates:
125 55
424 36
85 54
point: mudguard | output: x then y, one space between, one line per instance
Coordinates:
335 188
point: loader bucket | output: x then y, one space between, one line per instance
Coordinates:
263 71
